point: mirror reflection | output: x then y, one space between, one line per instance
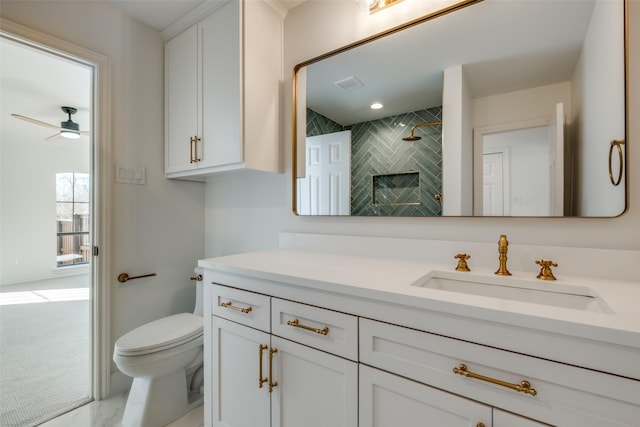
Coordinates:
496 109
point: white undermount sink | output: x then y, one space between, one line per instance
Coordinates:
533 291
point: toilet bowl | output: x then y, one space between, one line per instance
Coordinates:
164 357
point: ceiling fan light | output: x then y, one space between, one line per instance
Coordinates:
71 134
70 129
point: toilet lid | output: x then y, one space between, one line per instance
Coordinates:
160 334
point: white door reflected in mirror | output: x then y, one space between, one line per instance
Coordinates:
326 189
510 156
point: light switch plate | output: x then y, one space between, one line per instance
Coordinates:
131 175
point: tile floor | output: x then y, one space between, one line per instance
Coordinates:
108 413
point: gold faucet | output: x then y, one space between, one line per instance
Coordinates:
503 244
462 262
545 270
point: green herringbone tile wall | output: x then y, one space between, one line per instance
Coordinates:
377 148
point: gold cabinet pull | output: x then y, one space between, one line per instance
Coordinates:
272 383
296 324
523 387
261 379
193 149
230 305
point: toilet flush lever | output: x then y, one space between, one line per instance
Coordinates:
197 278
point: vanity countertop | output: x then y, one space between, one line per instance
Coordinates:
397 282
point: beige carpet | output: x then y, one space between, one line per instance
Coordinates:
44 360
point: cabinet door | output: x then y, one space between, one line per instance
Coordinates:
507 419
387 400
181 100
238 399
315 389
262 88
220 87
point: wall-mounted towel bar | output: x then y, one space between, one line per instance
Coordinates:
123 277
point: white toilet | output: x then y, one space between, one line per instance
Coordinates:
164 357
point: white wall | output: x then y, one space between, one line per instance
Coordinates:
528 151
155 227
600 118
29 206
457 144
521 105
246 212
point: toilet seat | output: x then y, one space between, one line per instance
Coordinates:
161 334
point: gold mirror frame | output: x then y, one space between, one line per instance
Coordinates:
623 171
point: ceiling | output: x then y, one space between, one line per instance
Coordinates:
36 84
502 46
159 14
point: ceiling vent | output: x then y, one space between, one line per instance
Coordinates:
349 84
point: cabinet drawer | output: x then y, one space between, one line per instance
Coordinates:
244 307
564 395
323 329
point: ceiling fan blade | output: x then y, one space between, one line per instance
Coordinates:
34 121
53 137
85 132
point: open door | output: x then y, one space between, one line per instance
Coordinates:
326 189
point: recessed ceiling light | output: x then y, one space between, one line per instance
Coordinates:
376 106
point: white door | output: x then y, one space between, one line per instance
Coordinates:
315 389
326 190
493 184
238 399
556 161
387 400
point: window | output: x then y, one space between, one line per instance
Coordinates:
73 218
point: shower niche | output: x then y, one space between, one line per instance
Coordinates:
395 189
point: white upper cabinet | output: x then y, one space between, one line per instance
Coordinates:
223 80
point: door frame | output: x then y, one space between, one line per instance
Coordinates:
100 182
478 136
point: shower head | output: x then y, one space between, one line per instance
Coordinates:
412 137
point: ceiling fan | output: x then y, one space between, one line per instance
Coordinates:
67 129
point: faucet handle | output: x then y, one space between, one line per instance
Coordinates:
545 270
462 262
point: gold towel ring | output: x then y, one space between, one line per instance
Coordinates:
616 143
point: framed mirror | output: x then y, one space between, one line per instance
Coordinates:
486 108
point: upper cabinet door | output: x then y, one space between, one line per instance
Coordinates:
263 78
181 93
221 49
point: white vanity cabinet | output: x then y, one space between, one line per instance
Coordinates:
223 80
261 379
535 388
361 355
